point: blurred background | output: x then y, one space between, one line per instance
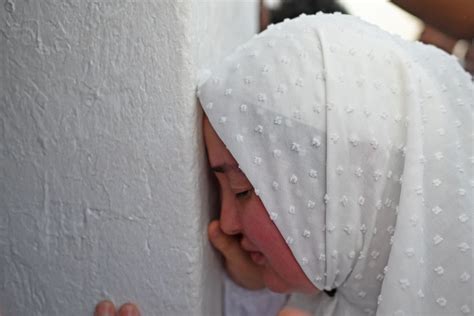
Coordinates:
380 12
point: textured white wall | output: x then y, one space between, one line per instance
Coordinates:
103 185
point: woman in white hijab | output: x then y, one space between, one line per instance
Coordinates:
357 146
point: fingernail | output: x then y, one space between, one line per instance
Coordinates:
128 310
215 232
104 309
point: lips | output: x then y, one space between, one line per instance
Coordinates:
257 257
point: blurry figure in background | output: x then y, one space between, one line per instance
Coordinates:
264 18
455 18
462 49
449 25
277 11
293 8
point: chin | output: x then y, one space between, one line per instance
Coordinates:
274 283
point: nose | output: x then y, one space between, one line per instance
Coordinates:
230 221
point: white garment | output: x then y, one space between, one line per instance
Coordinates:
359 145
242 302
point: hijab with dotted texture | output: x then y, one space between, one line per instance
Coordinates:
359 144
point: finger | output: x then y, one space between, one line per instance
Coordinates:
238 263
128 309
228 245
469 66
105 308
291 311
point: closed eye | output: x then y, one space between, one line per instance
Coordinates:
244 194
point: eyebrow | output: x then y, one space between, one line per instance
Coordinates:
223 168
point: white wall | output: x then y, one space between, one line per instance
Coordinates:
103 185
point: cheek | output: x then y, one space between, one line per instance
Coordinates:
260 230
274 282
257 225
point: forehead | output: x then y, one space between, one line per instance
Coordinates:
216 150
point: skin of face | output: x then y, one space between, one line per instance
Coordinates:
243 214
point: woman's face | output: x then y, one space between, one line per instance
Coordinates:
242 213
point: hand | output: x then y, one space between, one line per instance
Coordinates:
107 308
292 311
447 43
469 60
238 263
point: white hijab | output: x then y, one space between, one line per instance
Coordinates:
359 145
